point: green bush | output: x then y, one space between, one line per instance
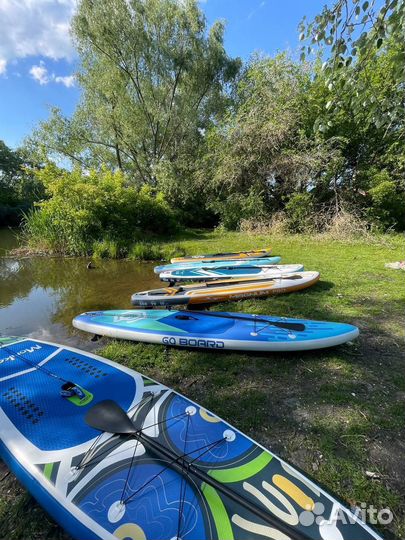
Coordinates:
95 212
238 207
145 252
387 205
299 210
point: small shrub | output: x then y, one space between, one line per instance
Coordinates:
108 249
388 205
346 226
277 225
173 251
299 211
238 207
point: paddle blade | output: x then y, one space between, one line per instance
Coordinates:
109 416
297 327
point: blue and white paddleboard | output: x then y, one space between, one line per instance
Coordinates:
125 457
264 261
230 272
216 330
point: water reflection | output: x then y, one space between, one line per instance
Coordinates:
39 296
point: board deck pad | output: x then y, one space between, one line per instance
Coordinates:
229 271
221 485
264 261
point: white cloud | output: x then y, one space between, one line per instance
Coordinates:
35 28
40 74
3 66
68 80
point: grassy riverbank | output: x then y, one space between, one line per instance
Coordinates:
338 414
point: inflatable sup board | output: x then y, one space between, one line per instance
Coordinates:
252 254
223 290
111 454
264 261
216 330
230 271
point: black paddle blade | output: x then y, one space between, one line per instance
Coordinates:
109 416
298 327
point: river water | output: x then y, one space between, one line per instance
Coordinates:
39 296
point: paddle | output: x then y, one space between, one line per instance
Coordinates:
109 417
298 327
231 281
175 278
233 267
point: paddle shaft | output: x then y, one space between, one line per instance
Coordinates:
229 281
230 267
298 327
265 279
261 274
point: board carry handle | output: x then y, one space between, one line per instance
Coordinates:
109 417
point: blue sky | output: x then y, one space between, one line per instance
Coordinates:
37 59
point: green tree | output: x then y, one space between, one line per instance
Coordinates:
363 149
18 187
263 145
351 34
152 79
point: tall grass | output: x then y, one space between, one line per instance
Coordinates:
143 251
343 226
40 234
152 251
108 249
